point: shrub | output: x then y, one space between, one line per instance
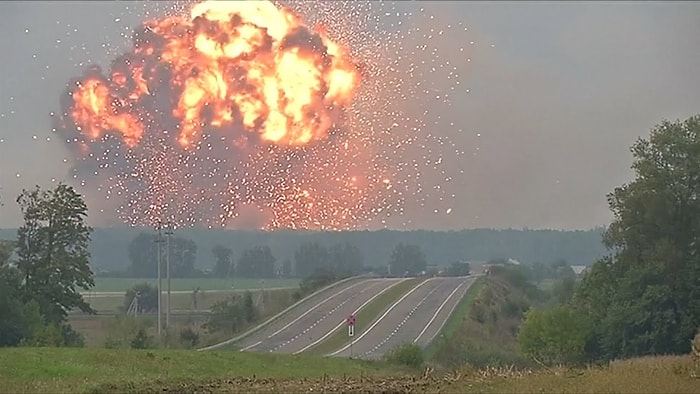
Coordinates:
408 354
142 340
189 337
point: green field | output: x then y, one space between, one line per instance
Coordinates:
103 284
54 370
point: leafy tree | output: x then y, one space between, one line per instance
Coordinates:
309 257
148 297
557 335
320 278
346 259
645 297
458 268
143 255
407 259
257 262
143 252
232 314
287 268
13 324
249 307
222 267
563 290
7 248
53 250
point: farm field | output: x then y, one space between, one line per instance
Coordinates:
51 370
105 284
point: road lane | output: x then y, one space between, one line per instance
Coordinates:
413 319
312 320
444 311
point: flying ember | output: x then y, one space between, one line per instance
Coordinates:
238 107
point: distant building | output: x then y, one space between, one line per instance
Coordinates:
579 270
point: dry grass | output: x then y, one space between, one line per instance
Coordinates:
101 370
667 374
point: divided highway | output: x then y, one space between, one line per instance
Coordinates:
317 317
417 316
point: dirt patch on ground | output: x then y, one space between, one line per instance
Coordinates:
397 384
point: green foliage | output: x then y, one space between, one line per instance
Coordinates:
223 265
563 290
458 268
310 257
143 256
128 332
189 338
7 248
37 292
644 298
257 262
142 340
13 325
407 354
148 297
318 279
483 330
53 250
554 336
346 259
232 314
407 259
287 268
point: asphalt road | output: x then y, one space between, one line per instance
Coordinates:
416 317
316 318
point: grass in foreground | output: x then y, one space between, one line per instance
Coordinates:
100 370
365 317
80 370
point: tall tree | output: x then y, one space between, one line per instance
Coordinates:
650 284
53 251
407 260
7 248
257 262
223 265
310 257
143 254
346 259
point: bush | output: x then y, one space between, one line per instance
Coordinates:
408 354
148 297
189 337
142 340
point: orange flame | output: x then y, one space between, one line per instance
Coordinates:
231 63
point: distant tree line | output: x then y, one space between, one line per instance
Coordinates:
341 260
111 246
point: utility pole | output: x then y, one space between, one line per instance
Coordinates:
160 281
168 233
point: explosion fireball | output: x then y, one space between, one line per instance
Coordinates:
239 103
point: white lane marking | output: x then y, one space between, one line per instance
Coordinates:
453 308
432 319
380 318
335 308
280 315
326 335
306 313
403 321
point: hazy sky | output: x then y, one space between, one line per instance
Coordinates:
553 105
